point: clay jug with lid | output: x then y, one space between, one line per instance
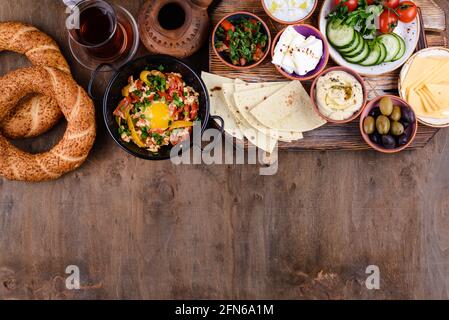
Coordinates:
162 29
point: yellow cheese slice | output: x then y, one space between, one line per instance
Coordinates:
416 103
435 103
439 93
429 104
437 76
422 68
425 70
429 107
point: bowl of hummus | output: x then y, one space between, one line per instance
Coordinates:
289 11
338 95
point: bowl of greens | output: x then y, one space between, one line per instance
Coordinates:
241 40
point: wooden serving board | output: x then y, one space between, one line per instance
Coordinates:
330 136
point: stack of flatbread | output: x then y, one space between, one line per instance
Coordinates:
263 113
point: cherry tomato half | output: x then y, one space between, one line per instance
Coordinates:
407 11
350 4
388 21
227 25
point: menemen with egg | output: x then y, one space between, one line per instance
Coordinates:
157 110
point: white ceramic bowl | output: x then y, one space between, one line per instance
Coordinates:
429 52
408 31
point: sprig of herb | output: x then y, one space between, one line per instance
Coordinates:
362 18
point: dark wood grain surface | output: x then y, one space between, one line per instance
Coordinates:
153 230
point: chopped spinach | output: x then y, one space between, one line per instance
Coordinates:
243 42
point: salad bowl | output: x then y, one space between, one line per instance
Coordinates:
406 33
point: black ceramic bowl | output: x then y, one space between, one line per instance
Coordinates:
113 96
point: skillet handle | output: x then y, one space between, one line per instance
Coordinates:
93 76
221 128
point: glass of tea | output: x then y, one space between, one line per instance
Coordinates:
101 33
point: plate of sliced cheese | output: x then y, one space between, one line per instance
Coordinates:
424 84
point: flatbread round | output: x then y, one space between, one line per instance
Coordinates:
289 109
218 105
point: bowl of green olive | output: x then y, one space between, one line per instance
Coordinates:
388 124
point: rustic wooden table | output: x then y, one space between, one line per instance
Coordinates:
153 230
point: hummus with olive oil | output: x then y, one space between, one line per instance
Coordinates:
339 95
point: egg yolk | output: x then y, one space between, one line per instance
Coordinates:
159 115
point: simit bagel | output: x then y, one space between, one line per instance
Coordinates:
35 114
76 106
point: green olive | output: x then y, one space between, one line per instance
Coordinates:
369 125
386 106
397 128
382 124
396 114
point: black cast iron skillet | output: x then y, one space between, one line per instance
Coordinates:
113 95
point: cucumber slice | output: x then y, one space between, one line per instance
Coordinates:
357 45
392 44
383 53
373 56
356 51
340 35
361 57
401 49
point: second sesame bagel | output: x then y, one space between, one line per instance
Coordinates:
34 114
78 109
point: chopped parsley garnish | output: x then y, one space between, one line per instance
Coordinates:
157 83
160 68
138 106
122 130
158 138
144 134
177 101
137 93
